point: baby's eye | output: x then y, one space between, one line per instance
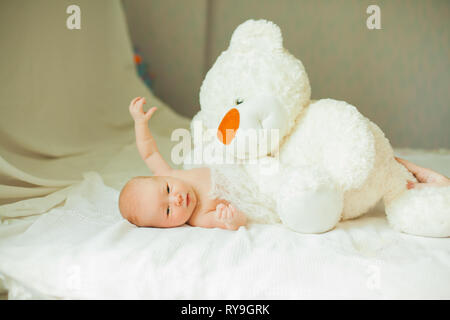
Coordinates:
239 101
168 210
168 189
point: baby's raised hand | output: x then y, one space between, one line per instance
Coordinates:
137 110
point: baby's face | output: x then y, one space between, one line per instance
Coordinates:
161 202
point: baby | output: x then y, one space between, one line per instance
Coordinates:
171 198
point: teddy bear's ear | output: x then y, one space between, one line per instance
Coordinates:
258 34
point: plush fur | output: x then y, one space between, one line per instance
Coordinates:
330 163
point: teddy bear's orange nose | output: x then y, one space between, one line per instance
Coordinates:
228 126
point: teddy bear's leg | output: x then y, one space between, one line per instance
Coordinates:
423 212
308 201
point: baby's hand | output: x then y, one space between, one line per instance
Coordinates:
137 111
228 215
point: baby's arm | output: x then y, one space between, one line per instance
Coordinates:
224 217
145 142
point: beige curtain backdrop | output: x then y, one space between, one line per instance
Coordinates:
64 99
397 76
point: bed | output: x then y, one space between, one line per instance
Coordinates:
83 249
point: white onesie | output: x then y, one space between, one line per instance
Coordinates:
232 183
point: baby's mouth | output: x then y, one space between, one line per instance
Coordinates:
187 199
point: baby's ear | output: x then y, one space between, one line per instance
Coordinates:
257 34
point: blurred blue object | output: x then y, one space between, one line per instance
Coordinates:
142 69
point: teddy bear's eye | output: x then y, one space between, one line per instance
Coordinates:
239 101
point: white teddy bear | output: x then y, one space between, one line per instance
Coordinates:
310 164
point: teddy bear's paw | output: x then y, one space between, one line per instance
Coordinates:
308 207
422 212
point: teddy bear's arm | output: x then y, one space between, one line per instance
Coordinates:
334 135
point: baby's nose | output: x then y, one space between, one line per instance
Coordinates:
177 199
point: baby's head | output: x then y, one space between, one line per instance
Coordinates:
157 201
